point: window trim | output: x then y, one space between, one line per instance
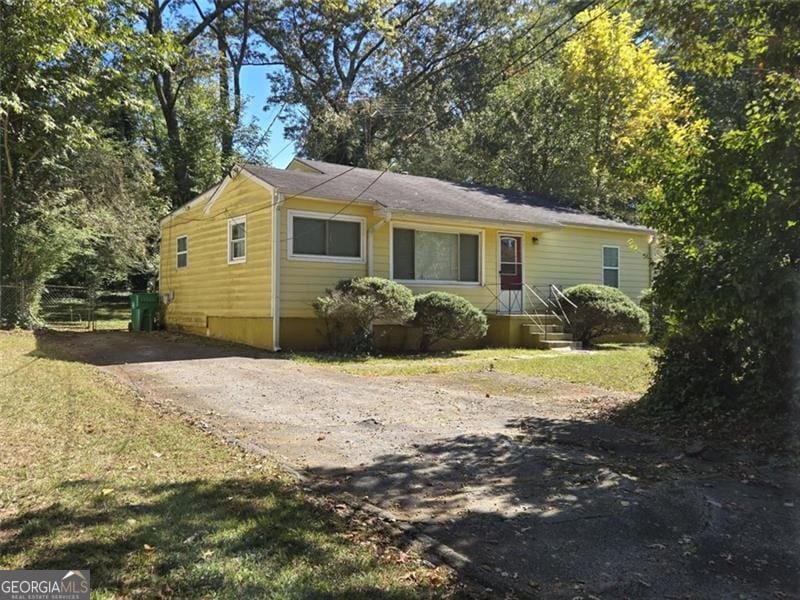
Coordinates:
178 252
603 266
438 229
231 222
362 221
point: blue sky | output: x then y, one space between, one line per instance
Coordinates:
256 88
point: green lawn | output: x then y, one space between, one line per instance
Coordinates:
616 367
92 477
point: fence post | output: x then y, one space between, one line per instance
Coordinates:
92 326
21 307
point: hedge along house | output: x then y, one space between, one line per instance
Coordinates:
245 260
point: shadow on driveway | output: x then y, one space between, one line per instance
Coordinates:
108 348
568 509
539 506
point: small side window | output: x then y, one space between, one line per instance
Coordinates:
237 239
182 252
611 266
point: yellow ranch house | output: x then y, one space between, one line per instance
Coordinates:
245 260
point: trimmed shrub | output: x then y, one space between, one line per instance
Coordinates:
602 310
443 316
350 309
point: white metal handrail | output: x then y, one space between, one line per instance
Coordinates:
558 292
534 317
558 295
550 305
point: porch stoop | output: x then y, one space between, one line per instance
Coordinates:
552 338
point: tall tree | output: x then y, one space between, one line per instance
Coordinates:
65 185
728 283
176 64
354 72
586 124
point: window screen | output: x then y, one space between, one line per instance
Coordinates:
435 256
309 236
611 257
611 266
344 238
182 253
468 259
326 237
403 252
237 235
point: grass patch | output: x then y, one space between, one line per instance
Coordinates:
624 367
91 477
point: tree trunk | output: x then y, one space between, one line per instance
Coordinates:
178 158
227 126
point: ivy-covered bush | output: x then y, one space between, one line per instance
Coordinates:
443 316
658 321
350 309
601 310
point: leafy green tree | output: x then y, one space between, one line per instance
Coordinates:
364 79
728 281
588 126
728 212
66 187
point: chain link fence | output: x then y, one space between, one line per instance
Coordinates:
63 307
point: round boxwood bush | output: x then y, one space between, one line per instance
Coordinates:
443 316
601 310
350 309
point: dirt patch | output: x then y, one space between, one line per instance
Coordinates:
559 399
512 472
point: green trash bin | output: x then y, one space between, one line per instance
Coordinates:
143 311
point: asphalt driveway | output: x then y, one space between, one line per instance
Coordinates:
540 499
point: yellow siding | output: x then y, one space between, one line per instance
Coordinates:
573 255
210 296
563 257
234 301
302 281
482 295
296 165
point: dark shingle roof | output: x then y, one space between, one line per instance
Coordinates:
424 195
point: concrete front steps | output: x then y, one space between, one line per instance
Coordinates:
555 337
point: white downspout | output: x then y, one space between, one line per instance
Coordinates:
371 244
276 272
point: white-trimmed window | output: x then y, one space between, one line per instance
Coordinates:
182 252
324 237
436 256
237 239
611 266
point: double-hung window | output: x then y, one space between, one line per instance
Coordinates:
611 266
237 239
318 236
421 255
182 252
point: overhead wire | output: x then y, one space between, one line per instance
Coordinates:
539 56
355 198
